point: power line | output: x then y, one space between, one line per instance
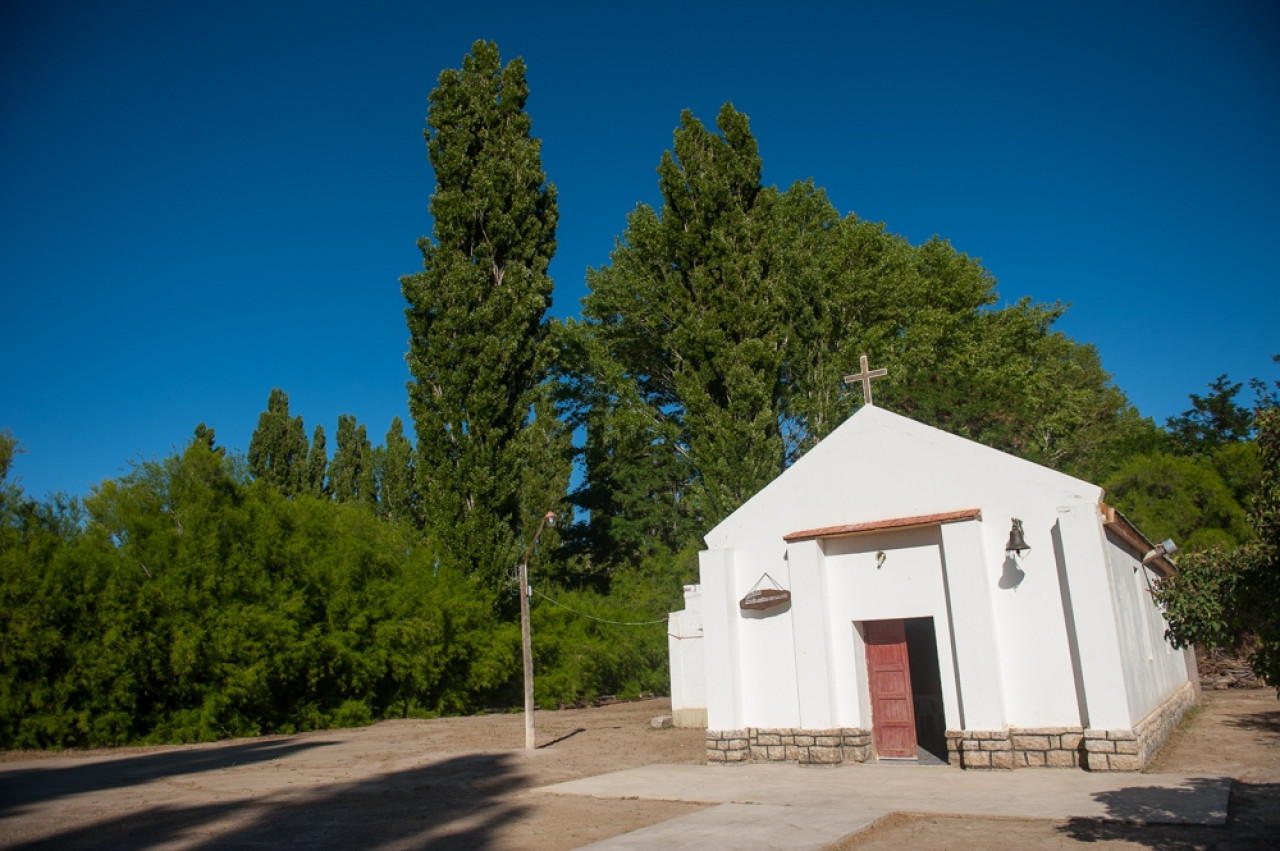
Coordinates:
593 617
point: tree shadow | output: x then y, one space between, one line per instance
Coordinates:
43 782
459 803
1155 820
1265 722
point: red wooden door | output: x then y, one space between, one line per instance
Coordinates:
893 717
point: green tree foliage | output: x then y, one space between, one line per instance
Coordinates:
399 500
1196 483
352 471
475 312
278 447
1220 595
188 602
317 466
1214 420
1184 498
715 340
690 313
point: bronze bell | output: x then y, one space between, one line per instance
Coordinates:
1017 543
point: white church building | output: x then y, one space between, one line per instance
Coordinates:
867 604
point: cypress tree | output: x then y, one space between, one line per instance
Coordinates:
476 310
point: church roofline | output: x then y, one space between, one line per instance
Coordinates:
884 525
1127 532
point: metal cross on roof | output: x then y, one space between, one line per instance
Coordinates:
865 375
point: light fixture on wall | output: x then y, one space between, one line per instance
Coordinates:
1166 548
880 557
1017 542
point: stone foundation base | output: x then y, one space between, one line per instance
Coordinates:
806 747
1132 750
1032 747
1071 747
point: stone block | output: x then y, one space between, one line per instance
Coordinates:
1034 759
977 759
804 741
1031 743
1061 759
739 744
1071 741
1120 734
777 753
765 740
792 753
1099 746
997 745
1123 762
824 756
715 755
1124 747
1002 759
856 754
827 741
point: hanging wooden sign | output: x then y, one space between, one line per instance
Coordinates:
765 598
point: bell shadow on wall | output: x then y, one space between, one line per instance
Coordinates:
1013 575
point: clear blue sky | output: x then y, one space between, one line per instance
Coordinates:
201 202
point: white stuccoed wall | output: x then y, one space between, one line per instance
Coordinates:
1152 668
1004 636
685 653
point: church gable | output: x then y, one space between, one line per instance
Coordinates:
897 594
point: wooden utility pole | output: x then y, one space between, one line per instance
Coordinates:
526 635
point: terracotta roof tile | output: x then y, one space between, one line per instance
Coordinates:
883 525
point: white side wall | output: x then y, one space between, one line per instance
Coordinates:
688 668
1152 669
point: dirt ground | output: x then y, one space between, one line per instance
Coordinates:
467 783
1232 733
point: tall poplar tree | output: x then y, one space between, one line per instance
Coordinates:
278 447
476 310
351 474
689 309
397 479
317 465
715 341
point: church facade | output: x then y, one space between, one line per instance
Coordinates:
866 605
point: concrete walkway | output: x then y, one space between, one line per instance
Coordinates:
778 806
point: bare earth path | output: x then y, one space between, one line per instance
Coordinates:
443 783
465 783
1232 733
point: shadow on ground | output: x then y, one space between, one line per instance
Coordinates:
455 803
1253 821
22 787
1264 722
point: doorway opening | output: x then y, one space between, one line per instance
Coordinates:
905 687
926 687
